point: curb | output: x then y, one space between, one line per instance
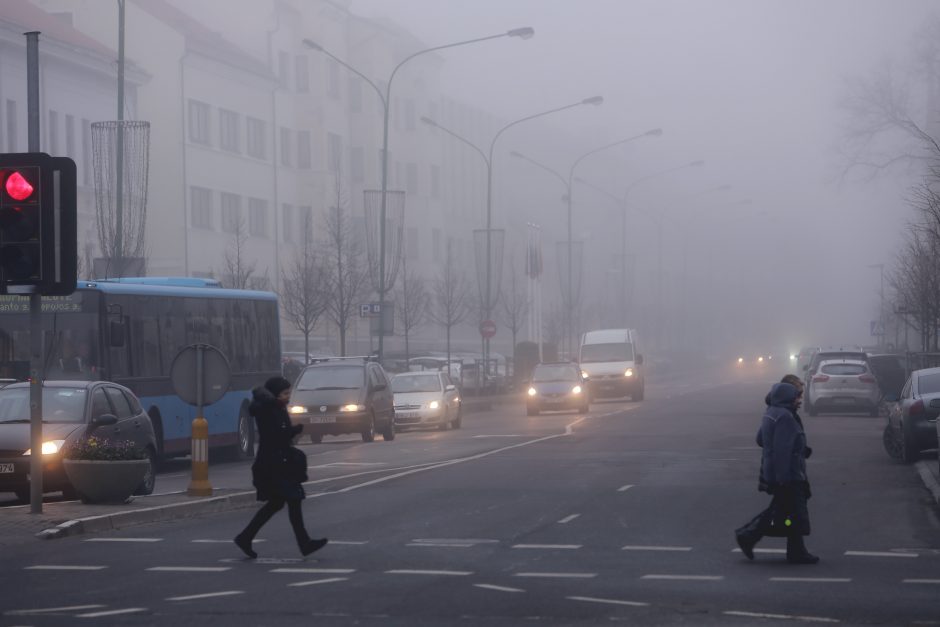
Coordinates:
930 480
149 515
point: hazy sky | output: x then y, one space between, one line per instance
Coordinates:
751 86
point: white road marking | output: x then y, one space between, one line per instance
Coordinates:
489 586
568 519
57 567
879 554
453 541
190 569
446 545
501 435
558 575
451 573
781 551
229 541
314 582
358 464
812 619
547 546
685 577
933 581
354 542
129 610
319 571
207 595
609 601
630 547
125 540
52 610
624 488
813 579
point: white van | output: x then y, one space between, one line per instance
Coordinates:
610 362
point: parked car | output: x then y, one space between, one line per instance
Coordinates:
426 399
72 411
557 386
890 369
912 417
843 385
813 366
343 395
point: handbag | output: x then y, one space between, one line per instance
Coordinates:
296 461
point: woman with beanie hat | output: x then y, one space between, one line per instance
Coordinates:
279 469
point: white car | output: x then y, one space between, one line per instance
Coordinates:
426 399
843 385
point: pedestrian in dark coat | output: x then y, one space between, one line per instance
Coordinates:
279 469
782 474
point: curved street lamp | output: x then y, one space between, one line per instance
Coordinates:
522 33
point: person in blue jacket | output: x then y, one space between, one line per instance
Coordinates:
782 474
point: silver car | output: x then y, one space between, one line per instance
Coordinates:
426 399
843 385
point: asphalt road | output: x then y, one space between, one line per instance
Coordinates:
625 514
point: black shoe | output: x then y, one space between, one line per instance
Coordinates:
747 546
803 558
312 545
245 545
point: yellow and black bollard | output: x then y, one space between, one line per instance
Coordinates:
200 486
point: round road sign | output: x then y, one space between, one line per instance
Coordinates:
487 328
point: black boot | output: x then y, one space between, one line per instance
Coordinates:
746 542
797 553
244 544
310 546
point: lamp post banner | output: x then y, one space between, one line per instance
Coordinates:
394 229
495 239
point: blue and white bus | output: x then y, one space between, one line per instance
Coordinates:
129 330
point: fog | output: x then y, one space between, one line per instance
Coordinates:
751 88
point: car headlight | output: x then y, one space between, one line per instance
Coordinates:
585 375
628 372
351 407
576 389
740 360
533 392
792 357
48 448
434 405
297 409
760 359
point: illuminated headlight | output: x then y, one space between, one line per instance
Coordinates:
628 372
434 405
576 389
792 357
740 360
297 409
351 407
585 375
760 359
49 448
533 392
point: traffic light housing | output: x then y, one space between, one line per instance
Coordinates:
38 224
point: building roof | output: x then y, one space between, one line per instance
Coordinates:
28 17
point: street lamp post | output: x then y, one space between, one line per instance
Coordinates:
881 310
522 33
489 299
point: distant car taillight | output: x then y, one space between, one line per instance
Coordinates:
917 408
820 378
867 378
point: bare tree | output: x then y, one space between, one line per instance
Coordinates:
413 299
346 271
238 272
304 290
515 304
451 296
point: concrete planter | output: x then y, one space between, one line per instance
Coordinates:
105 481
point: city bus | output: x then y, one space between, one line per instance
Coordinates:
129 331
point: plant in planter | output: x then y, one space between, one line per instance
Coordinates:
102 471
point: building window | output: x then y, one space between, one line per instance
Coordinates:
411 243
287 218
87 171
355 94
200 207
302 72
198 122
435 181
231 212
282 62
256 138
357 164
228 130
11 126
436 244
285 146
258 217
410 116
411 178
332 76
70 136
52 133
305 222
334 155
303 149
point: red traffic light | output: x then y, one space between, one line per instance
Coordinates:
18 187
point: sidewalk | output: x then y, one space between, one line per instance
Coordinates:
930 473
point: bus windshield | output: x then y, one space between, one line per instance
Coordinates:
622 351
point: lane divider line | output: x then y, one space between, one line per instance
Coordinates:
568 519
489 586
52 610
813 579
609 601
207 595
64 567
129 610
812 619
449 573
313 582
317 571
685 577
879 554
189 569
125 540
630 547
624 488
547 546
558 575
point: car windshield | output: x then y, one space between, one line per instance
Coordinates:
928 383
844 369
58 405
561 372
620 351
331 378
402 383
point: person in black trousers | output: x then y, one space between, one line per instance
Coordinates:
782 474
279 469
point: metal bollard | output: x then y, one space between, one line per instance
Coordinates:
199 485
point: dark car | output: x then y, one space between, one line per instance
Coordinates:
912 418
813 366
72 410
557 386
343 395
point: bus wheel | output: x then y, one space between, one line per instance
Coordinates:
245 444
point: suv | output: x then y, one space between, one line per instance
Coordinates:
826 355
343 395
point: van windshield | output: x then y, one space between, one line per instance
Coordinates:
620 351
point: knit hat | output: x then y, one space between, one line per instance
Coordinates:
276 385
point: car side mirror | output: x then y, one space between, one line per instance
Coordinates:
117 334
892 398
379 387
450 387
639 360
935 403
104 420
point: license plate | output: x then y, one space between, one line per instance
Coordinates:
6 468
407 414
322 419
